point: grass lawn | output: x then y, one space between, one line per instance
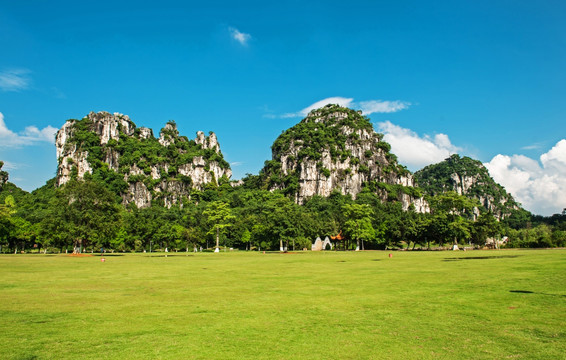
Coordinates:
326 305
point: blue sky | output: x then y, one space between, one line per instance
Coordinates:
482 78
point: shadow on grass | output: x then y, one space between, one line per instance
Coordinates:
282 252
481 257
532 292
169 255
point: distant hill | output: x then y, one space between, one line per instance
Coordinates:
470 178
336 148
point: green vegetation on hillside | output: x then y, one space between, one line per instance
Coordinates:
314 135
438 178
328 129
261 214
143 153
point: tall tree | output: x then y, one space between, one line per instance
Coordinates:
220 218
86 211
6 223
485 226
458 210
358 224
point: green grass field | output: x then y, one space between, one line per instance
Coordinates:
327 305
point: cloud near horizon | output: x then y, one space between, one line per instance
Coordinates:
540 186
239 36
29 136
367 107
14 79
416 151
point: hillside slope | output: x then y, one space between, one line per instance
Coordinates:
135 164
470 178
336 148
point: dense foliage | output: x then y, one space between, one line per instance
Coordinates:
449 175
334 130
145 153
260 214
84 214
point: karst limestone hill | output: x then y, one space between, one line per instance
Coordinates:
336 148
3 176
470 178
135 164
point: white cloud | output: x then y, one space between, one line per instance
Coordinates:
10 165
539 186
379 106
416 151
240 37
531 147
236 163
367 107
331 100
14 80
29 136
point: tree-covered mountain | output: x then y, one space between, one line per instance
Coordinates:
119 187
133 163
470 178
336 149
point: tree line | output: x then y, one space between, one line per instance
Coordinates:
83 215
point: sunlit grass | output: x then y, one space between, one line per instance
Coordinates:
420 305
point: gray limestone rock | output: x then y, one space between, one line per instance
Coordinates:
73 159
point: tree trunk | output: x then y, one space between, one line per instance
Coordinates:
217 238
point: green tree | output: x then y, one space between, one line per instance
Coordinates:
220 218
486 226
6 223
284 221
458 212
85 210
246 239
358 224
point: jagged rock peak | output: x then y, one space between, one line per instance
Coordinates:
208 142
145 133
168 134
166 168
3 176
336 148
108 126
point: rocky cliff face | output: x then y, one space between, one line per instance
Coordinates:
134 163
3 176
337 148
469 178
